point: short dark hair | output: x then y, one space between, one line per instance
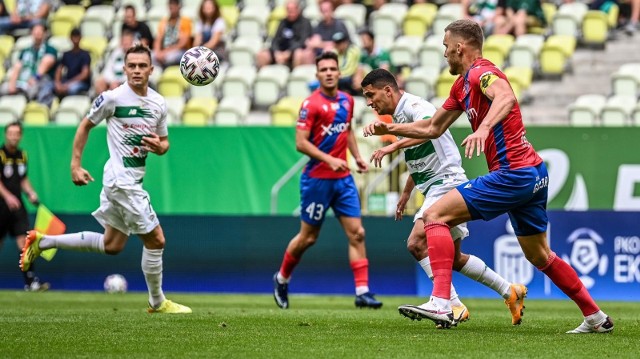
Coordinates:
327 55
11 124
137 48
130 7
469 30
380 78
367 32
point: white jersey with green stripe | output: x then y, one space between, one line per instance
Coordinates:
434 161
129 118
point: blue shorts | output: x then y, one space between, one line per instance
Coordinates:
522 193
318 194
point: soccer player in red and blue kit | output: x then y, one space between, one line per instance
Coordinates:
516 184
324 133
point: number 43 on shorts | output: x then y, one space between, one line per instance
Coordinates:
315 211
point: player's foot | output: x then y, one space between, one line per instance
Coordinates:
603 326
31 250
442 317
367 300
460 314
37 286
515 303
169 307
280 292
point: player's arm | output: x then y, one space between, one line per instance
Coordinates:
352 144
502 101
378 155
404 197
156 144
305 146
79 175
425 129
27 188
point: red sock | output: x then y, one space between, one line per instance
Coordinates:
441 251
566 278
360 270
288 263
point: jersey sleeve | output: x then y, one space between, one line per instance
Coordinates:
304 117
484 79
161 129
103 107
421 110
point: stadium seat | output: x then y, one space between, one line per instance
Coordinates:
431 53
72 110
387 20
252 21
522 75
635 115
496 48
232 111
298 84
199 111
586 110
230 14
626 81
285 112
238 81
359 106
156 13
418 19
447 13
555 53
617 111
97 20
6 45
612 15
525 50
355 14
256 2
312 12
171 83
175 107
11 108
275 17
62 44
568 18
444 83
595 28
269 84
421 81
242 51
65 19
21 43
404 50
96 45
549 9
208 91
36 114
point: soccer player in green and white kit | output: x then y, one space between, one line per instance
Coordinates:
136 125
435 167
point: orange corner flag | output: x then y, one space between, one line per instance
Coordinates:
48 223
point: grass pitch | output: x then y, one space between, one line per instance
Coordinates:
98 325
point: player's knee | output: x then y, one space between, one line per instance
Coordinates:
431 216
417 245
308 241
459 261
113 248
357 236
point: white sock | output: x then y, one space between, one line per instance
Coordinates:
441 303
477 270
360 290
152 269
281 279
81 241
596 317
426 266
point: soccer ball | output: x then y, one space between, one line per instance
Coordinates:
199 66
115 283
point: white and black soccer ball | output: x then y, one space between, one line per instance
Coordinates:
199 66
115 283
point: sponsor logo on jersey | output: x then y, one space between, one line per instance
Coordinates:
303 114
98 101
335 128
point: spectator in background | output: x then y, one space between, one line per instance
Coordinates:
113 73
348 65
26 14
483 12
518 15
174 36
321 40
73 74
33 73
210 28
374 57
289 39
139 29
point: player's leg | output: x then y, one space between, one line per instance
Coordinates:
536 250
31 282
346 206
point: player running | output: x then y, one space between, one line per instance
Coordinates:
324 133
436 168
136 125
516 184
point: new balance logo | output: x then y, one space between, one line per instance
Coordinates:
132 112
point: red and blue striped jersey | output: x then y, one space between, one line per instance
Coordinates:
506 146
328 120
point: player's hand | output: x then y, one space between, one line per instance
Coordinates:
152 143
378 155
12 202
338 165
376 128
363 167
475 142
33 198
402 204
80 176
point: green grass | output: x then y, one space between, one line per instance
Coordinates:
90 325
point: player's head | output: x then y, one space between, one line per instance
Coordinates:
461 38
13 134
381 91
327 70
137 65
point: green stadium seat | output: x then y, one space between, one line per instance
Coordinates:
418 19
199 111
555 54
595 28
171 83
444 83
65 19
36 114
